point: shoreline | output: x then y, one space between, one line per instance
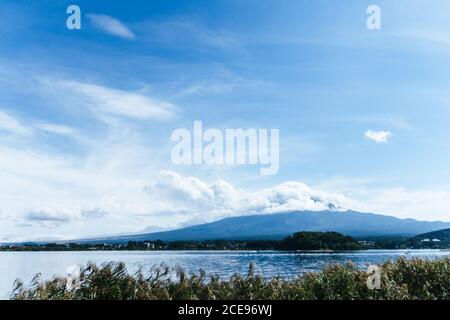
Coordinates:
242 251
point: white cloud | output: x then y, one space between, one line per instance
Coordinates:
91 186
111 25
378 136
52 191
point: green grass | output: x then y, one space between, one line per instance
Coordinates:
401 279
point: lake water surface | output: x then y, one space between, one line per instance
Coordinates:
25 265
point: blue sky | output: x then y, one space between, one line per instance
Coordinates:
86 115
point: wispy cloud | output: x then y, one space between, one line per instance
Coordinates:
118 102
93 213
12 125
111 25
185 32
403 202
47 216
28 129
394 120
80 96
55 129
426 204
439 37
378 136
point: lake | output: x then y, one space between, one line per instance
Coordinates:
25 265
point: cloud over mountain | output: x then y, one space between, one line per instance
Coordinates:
223 199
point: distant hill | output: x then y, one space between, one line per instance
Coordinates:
443 235
318 241
280 225
439 239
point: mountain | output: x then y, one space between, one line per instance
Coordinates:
280 225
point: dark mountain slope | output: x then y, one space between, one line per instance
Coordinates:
277 226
